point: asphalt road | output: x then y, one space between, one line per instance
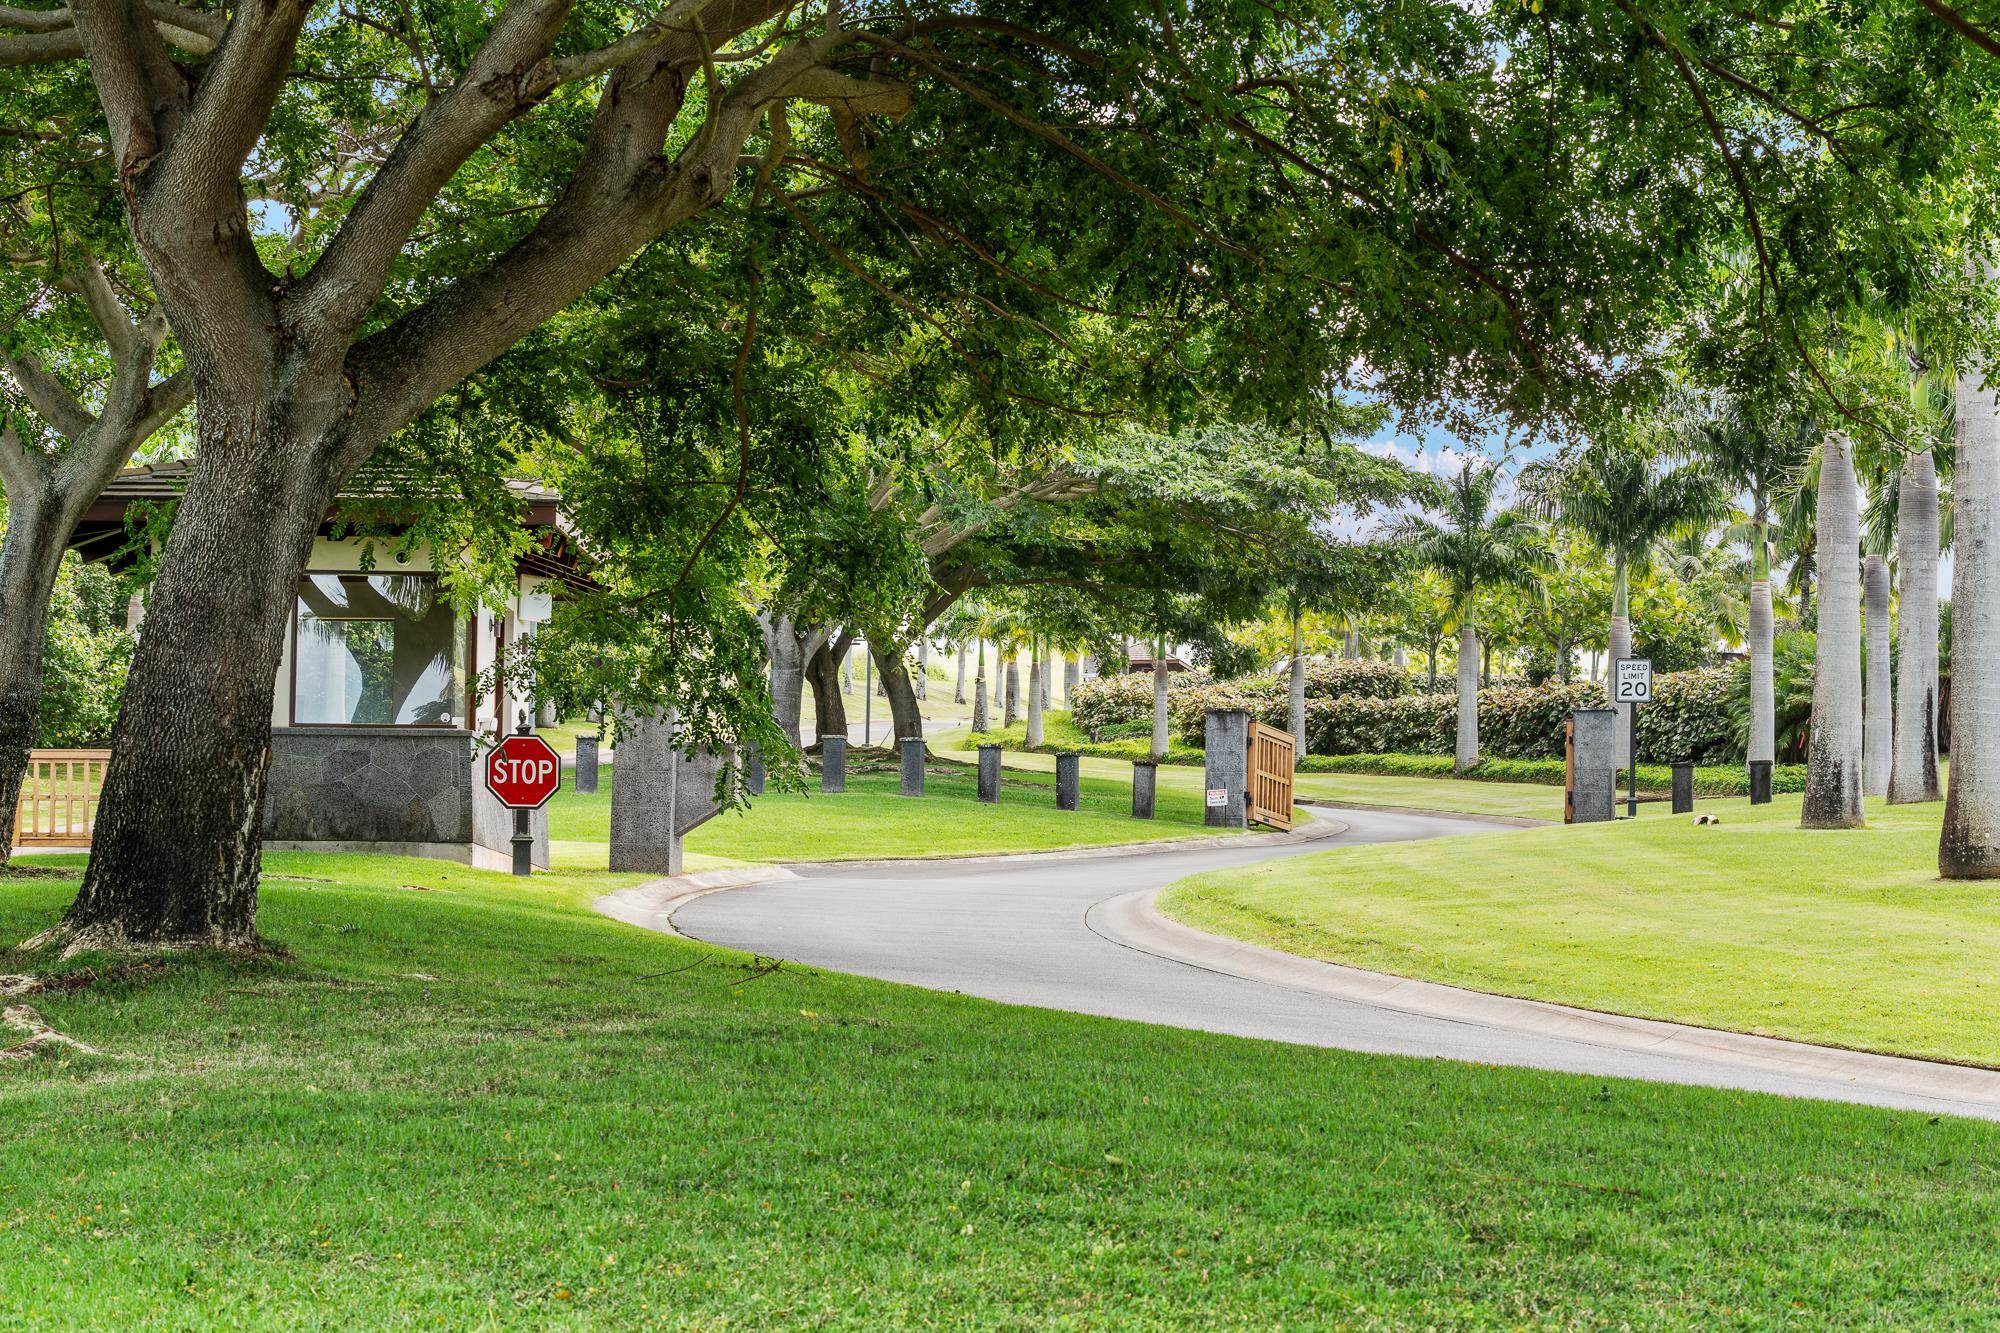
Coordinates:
1016 931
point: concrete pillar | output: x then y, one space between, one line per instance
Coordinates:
753 772
1226 778
1760 782
1145 779
1593 771
661 794
989 774
833 764
1683 788
586 763
910 750
1069 781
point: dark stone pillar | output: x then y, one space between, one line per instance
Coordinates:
989 774
1683 788
833 764
753 772
910 750
1226 739
1145 778
1760 782
1069 781
586 763
1593 772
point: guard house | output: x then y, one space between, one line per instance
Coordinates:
377 720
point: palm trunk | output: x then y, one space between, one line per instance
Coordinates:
1621 647
1914 774
1877 746
1833 774
1969 844
1037 678
1011 675
1159 747
958 690
1431 656
1072 677
177 848
1295 693
1465 751
981 717
1762 743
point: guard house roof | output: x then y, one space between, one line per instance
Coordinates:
101 534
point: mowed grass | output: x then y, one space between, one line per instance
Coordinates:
1518 800
463 1100
872 819
1842 937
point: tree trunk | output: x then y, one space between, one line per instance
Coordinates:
1621 647
981 718
1914 774
958 690
1833 774
30 554
789 651
923 682
823 673
1295 687
906 711
1072 676
1037 680
846 674
1431 653
1161 739
1011 687
1969 844
1877 747
1762 743
1465 751
1397 660
1485 664
177 849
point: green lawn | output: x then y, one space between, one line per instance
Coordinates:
1847 938
464 1100
1514 799
872 818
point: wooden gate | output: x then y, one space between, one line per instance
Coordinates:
1271 759
59 798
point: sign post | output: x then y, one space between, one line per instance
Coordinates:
1632 683
523 772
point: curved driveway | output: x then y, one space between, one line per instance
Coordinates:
1023 930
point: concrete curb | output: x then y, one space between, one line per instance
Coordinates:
651 906
1134 921
1503 821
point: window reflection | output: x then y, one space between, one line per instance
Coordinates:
377 650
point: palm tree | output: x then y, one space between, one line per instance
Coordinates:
1759 456
1472 547
1620 495
1833 763
1969 843
1913 771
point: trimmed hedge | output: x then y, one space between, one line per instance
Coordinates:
1367 708
1708 780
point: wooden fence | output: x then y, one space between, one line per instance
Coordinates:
1271 761
59 798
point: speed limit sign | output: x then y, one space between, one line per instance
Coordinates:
1633 681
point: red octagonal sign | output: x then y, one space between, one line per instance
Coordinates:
523 772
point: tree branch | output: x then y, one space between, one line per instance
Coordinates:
46 394
1963 26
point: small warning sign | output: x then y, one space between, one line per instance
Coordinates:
1218 796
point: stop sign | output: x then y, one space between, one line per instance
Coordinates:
523 772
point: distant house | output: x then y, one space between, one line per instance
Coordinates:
1139 659
377 718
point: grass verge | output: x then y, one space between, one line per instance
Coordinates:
1847 938
465 1100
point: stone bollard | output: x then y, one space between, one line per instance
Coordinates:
910 750
1069 780
1593 776
1145 777
833 764
1683 789
753 772
586 764
989 774
1760 782
1226 737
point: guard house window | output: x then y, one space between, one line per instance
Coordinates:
376 650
